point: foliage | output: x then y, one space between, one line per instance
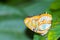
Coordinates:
12 16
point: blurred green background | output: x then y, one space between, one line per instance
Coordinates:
13 12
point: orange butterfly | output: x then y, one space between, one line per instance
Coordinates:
39 24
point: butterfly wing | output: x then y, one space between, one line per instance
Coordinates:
39 24
31 22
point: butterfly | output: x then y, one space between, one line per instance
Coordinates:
39 23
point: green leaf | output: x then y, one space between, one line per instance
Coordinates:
55 5
54 32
